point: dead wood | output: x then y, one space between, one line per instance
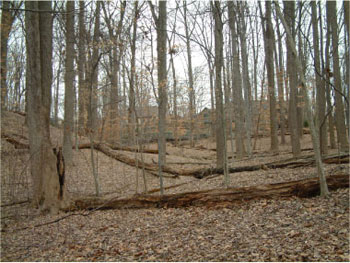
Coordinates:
215 197
132 149
127 160
17 143
290 163
203 172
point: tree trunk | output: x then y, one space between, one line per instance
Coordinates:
81 70
289 9
161 26
216 197
339 106
314 130
245 71
321 94
69 85
328 90
190 76
93 85
347 62
7 19
176 125
269 44
219 122
48 189
280 77
132 87
236 84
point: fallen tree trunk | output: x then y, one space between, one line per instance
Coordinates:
216 197
204 172
17 143
126 159
132 149
290 163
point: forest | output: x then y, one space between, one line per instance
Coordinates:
175 130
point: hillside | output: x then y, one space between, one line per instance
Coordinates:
261 229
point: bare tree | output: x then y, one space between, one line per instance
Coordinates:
92 81
82 87
321 94
269 44
69 85
236 84
48 189
280 79
242 29
221 161
132 109
314 130
161 25
289 9
339 106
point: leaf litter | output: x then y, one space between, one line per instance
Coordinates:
285 229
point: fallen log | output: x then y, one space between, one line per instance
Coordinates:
17 143
214 197
132 149
294 163
204 172
121 148
126 159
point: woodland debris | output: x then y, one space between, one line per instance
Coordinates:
214 197
200 173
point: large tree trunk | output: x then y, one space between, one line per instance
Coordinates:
69 85
289 9
242 28
269 44
161 25
339 106
48 192
328 89
236 84
82 90
221 151
93 85
321 94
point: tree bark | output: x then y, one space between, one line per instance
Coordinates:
216 197
289 9
242 28
132 87
339 106
161 26
280 77
269 44
236 84
82 90
321 94
69 86
48 193
220 117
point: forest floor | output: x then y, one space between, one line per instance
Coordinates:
284 229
